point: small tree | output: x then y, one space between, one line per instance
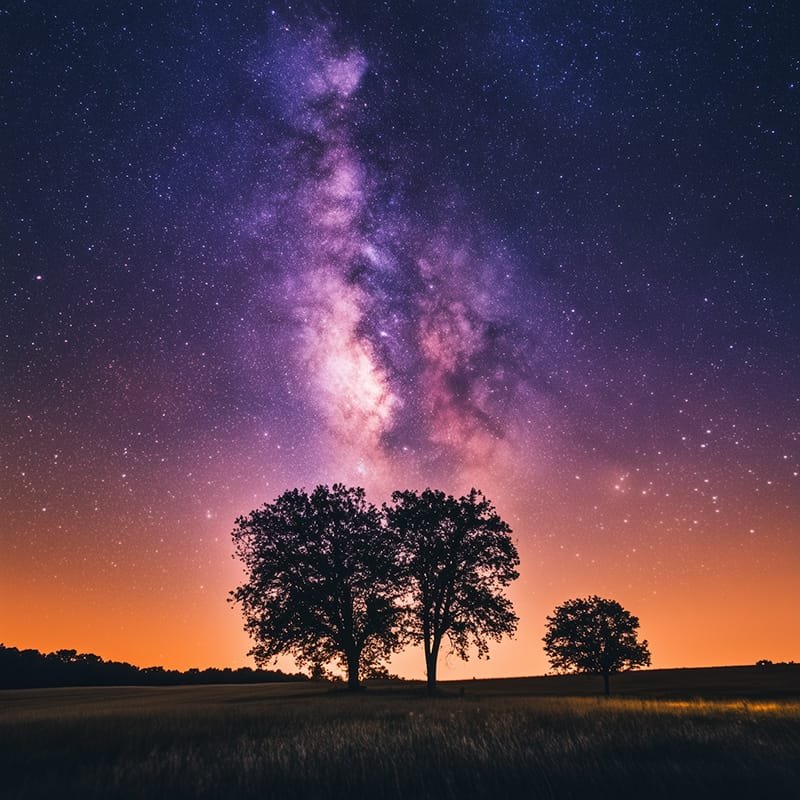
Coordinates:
596 636
458 557
321 579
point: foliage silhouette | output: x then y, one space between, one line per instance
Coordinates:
457 557
322 580
27 669
596 636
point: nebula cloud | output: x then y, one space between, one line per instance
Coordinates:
350 385
405 334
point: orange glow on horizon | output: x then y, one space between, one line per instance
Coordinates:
696 612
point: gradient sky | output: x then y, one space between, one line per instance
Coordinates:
545 249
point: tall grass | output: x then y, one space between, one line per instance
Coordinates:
257 742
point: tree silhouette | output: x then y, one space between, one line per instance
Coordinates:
596 636
321 579
457 558
22 669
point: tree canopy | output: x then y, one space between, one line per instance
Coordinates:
322 579
594 635
457 557
331 577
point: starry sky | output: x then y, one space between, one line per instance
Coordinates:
545 249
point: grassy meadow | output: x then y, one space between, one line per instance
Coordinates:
738 737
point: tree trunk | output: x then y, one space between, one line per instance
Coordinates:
352 673
606 685
431 657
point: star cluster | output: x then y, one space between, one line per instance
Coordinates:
549 251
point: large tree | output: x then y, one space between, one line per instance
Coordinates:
596 636
321 579
458 557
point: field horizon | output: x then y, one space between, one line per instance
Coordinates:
773 680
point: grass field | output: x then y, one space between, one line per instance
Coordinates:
505 738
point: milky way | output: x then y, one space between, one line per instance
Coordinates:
548 250
405 332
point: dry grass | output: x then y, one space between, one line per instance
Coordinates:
301 741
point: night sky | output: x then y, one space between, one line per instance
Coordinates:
545 249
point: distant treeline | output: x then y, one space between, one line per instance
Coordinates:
27 669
